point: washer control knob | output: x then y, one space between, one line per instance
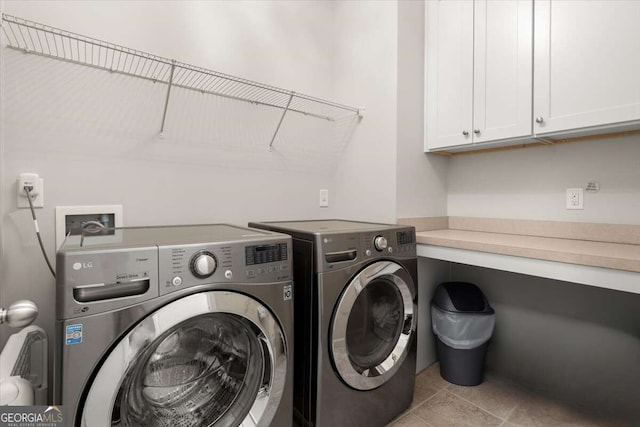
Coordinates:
368 252
228 274
380 243
203 264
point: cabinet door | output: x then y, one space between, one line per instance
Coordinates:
449 66
586 64
503 55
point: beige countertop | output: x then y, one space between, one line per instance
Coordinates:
594 254
617 256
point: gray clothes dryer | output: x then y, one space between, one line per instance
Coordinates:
355 291
175 326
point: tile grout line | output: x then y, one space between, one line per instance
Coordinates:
512 411
397 420
504 420
431 397
421 419
407 413
425 401
418 405
482 409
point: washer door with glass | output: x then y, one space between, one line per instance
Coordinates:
210 359
373 325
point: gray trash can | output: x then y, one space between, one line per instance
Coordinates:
462 321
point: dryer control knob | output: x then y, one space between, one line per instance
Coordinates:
380 243
203 264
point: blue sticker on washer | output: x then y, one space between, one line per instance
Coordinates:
74 334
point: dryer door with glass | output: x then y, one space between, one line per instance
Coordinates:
209 359
373 325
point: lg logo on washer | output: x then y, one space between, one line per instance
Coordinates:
80 265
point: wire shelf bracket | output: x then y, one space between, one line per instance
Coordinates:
166 101
284 113
44 40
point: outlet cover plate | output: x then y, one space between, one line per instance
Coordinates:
37 201
575 198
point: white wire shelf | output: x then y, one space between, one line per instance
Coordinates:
51 42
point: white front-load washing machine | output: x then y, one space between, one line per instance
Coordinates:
175 326
356 294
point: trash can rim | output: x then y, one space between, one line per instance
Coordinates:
488 311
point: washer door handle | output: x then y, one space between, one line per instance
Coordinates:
101 292
348 255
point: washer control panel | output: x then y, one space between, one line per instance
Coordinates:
192 265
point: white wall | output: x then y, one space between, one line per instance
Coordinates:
531 183
282 43
421 178
379 60
365 70
93 136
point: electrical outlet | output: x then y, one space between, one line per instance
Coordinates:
575 198
324 198
36 185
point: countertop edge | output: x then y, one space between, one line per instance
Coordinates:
552 254
620 280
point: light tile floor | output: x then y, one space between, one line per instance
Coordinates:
438 403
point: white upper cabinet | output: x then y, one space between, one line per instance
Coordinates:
479 71
449 88
502 69
587 64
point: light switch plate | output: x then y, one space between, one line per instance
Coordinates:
324 198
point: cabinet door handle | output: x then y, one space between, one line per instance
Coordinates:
465 132
539 119
476 131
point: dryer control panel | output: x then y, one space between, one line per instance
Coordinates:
338 250
190 265
389 242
